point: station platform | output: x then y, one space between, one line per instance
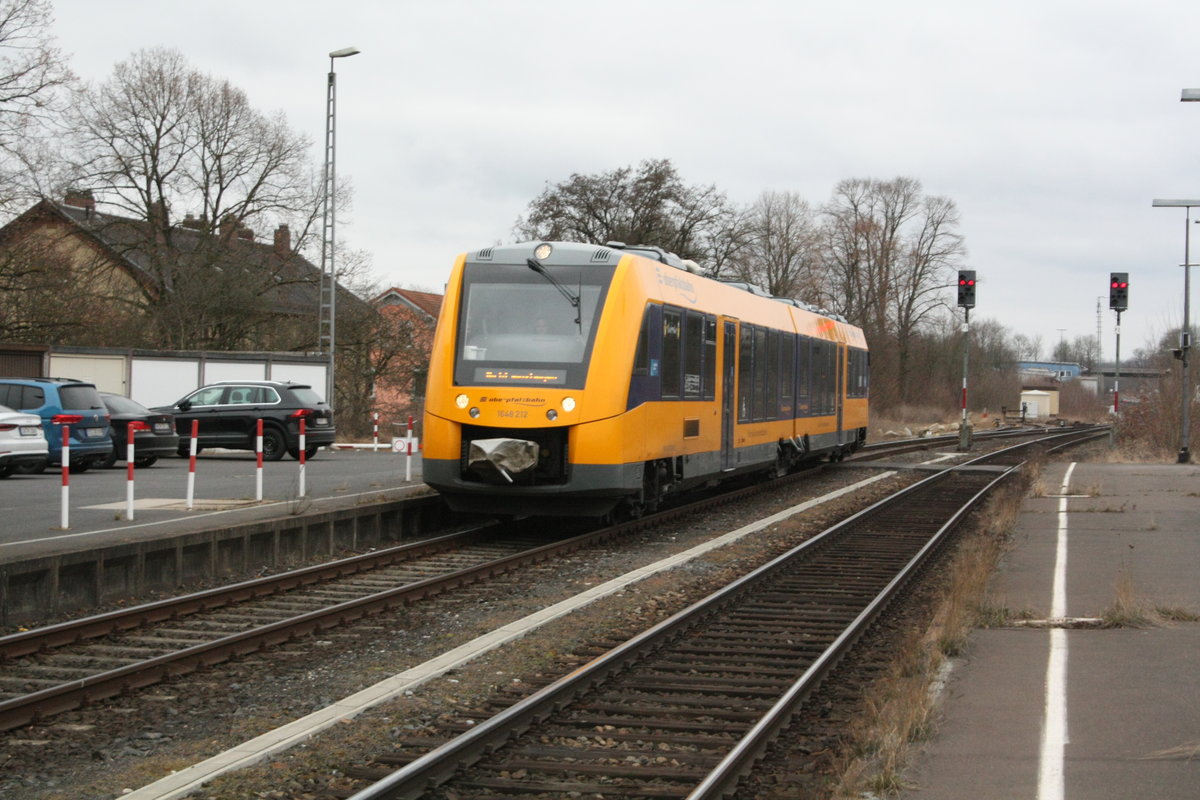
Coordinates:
1073 709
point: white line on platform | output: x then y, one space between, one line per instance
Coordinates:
1051 783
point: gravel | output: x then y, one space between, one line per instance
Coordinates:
125 743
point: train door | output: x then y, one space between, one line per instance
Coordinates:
840 393
728 406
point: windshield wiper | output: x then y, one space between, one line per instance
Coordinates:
572 298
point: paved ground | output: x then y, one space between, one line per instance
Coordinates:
224 491
1084 712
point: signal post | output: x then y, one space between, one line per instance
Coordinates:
1118 300
966 301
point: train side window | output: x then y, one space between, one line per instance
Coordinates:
824 373
693 351
645 382
671 363
803 372
772 374
858 382
641 358
745 372
760 373
710 357
787 375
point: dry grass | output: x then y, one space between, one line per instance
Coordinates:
1130 609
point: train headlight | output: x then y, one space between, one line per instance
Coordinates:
542 251
568 404
461 401
474 412
551 414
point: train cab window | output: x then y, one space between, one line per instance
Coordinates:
671 362
519 327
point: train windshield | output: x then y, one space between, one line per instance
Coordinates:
517 327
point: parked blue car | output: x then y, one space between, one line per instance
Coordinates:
63 402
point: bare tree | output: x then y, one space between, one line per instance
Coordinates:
159 136
1027 348
781 247
888 252
34 90
650 205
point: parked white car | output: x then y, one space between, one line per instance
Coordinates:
22 443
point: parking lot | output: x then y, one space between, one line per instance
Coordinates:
225 488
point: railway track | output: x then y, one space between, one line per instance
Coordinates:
62 667
686 708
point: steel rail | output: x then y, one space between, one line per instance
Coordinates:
173 608
18 711
440 764
68 695
723 779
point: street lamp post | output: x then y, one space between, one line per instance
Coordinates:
1185 334
327 313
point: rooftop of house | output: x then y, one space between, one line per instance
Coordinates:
424 303
139 245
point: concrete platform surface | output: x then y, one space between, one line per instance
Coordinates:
1083 712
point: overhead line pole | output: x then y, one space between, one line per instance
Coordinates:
327 325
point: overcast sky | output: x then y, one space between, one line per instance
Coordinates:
1051 124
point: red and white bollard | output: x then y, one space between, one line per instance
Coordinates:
375 447
134 426
258 478
303 463
409 443
65 516
191 485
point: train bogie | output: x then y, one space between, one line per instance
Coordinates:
572 379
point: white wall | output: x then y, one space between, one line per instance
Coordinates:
312 374
162 381
107 372
215 371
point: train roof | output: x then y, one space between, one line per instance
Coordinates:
610 253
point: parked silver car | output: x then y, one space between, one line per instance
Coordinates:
22 443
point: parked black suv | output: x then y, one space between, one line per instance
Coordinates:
228 411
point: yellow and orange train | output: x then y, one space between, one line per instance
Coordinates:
581 379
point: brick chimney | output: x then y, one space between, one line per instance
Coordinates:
228 226
283 241
192 222
158 220
80 198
